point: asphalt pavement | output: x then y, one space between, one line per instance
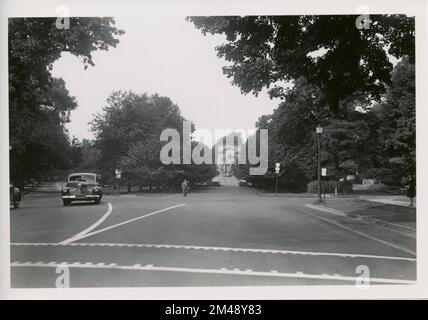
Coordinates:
224 236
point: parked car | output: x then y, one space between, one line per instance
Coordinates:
15 196
81 187
243 183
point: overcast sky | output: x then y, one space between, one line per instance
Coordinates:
168 56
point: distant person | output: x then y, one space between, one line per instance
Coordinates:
411 190
185 187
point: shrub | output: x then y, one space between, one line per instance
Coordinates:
329 186
380 187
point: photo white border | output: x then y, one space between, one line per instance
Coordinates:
28 8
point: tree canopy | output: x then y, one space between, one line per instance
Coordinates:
127 135
329 51
379 143
331 73
394 126
40 105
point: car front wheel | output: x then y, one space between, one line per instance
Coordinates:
16 205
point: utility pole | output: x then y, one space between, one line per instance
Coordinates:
319 132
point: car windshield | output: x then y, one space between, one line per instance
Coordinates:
83 177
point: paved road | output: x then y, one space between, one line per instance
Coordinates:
219 237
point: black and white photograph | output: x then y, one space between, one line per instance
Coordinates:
214 150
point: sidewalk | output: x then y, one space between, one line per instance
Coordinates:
391 215
393 200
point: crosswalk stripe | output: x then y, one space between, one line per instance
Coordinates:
227 249
273 273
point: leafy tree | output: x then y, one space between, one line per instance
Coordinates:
128 137
38 139
344 147
329 51
329 73
130 126
196 173
39 105
89 157
141 161
380 143
394 122
292 138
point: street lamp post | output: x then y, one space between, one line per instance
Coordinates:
319 132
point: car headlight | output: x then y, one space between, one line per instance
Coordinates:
94 189
68 190
16 190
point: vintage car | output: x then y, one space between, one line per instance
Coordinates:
15 196
81 187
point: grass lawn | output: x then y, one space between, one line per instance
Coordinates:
389 213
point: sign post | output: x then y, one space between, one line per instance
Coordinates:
277 169
324 174
118 174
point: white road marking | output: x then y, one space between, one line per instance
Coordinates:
216 271
90 228
361 233
85 235
227 249
128 221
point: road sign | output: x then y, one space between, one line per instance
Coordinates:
324 172
118 173
277 167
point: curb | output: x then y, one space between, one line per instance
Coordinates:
367 219
326 209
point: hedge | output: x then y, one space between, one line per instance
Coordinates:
329 186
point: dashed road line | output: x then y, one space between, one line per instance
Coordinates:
222 271
90 228
227 249
392 245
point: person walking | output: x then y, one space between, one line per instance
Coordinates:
185 187
411 191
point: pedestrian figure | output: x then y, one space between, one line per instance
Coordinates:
411 190
185 187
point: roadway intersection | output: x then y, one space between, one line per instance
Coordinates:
223 236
